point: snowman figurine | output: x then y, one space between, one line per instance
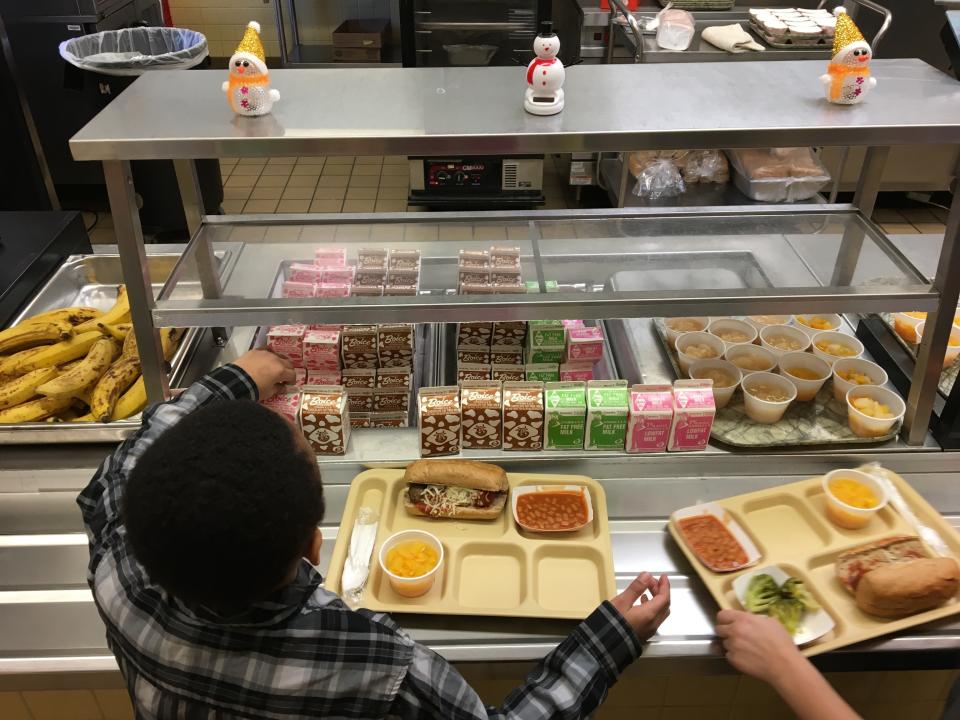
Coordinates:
848 80
248 89
545 75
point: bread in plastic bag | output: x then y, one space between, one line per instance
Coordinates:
675 29
659 179
778 174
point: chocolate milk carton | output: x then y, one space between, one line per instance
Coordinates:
565 405
693 411
325 418
523 416
608 403
439 420
651 416
481 409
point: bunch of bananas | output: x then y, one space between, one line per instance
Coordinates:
76 364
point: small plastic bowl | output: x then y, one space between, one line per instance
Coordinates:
415 586
750 358
762 321
722 394
831 337
739 328
831 319
774 335
806 389
953 348
848 516
877 375
864 425
697 338
906 325
673 332
767 411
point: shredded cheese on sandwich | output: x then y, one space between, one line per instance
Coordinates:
446 499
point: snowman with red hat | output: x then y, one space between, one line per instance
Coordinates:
545 75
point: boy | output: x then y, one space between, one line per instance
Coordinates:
199 526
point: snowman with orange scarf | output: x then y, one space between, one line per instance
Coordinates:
848 75
248 89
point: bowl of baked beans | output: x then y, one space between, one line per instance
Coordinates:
552 508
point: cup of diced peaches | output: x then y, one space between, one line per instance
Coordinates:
953 344
812 324
832 346
873 411
851 372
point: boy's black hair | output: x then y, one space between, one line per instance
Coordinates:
221 506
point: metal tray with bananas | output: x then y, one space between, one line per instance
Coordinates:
72 375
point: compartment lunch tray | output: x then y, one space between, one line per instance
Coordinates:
821 421
789 526
491 568
947 377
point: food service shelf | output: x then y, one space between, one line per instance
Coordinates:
580 253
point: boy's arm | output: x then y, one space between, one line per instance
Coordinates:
256 372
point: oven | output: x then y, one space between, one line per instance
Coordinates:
453 182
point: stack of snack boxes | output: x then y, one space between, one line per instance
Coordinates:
378 271
490 351
493 271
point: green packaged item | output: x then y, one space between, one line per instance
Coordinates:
546 333
545 354
607 408
565 408
543 372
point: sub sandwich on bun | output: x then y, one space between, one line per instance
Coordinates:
463 489
895 577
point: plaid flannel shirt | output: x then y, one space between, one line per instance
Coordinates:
302 652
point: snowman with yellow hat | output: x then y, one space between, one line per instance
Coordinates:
848 75
248 89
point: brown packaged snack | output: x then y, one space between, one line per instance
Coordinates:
506 355
481 410
473 259
360 420
325 418
508 289
368 290
523 416
404 260
476 289
394 378
359 360
439 420
395 335
473 371
372 258
389 419
352 378
474 333
507 373
505 277
360 400
399 288
509 332
391 400
472 354
474 277
395 357
359 339
369 278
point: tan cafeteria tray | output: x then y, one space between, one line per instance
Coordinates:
789 526
490 567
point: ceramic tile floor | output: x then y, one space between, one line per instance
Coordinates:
912 221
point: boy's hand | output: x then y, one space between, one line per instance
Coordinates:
757 645
648 615
270 372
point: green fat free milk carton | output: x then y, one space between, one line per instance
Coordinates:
608 403
565 408
545 333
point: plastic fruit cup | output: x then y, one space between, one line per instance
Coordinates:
729 325
762 321
806 389
721 393
832 319
750 358
848 516
673 332
953 346
767 411
906 325
840 338
877 375
697 338
864 425
772 334
415 586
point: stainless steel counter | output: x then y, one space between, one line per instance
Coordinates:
479 110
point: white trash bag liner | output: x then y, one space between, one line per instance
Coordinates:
134 51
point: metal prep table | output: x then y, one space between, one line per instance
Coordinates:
469 110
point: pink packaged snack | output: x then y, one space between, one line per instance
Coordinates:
572 323
576 371
300 377
292 288
650 419
339 275
324 376
302 272
321 349
585 343
333 290
286 404
693 411
287 341
330 257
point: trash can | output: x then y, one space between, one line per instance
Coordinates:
113 59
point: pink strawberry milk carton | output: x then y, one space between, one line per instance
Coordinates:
651 416
584 343
581 371
332 290
693 411
292 288
330 256
285 404
287 341
303 272
321 349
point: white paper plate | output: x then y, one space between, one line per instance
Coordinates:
524 489
721 514
813 625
